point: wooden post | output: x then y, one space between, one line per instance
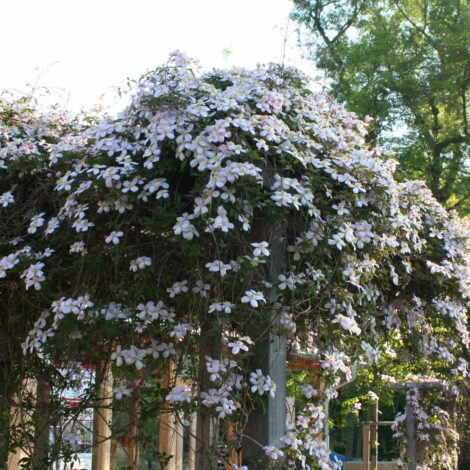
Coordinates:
360 439
20 421
102 420
410 435
410 419
171 440
290 408
232 433
207 431
171 429
365 446
206 442
326 428
374 435
266 425
192 442
42 415
350 420
114 445
133 450
453 416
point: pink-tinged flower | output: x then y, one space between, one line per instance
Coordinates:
348 323
260 249
114 237
33 276
140 263
36 222
226 407
221 307
178 288
218 266
178 394
241 344
82 225
308 390
273 452
337 240
121 391
286 281
252 297
201 288
262 383
6 199
222 221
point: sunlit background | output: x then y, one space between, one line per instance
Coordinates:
82 51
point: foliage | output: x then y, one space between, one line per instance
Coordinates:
215 210
406 63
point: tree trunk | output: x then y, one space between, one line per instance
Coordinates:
436 175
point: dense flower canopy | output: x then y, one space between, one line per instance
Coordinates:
149 237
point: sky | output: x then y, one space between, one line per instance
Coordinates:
82 51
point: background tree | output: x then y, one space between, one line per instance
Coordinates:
407 64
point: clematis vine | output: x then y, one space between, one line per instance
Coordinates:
160 227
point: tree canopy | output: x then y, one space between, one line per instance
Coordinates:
407 64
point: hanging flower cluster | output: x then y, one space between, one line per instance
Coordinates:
159 242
